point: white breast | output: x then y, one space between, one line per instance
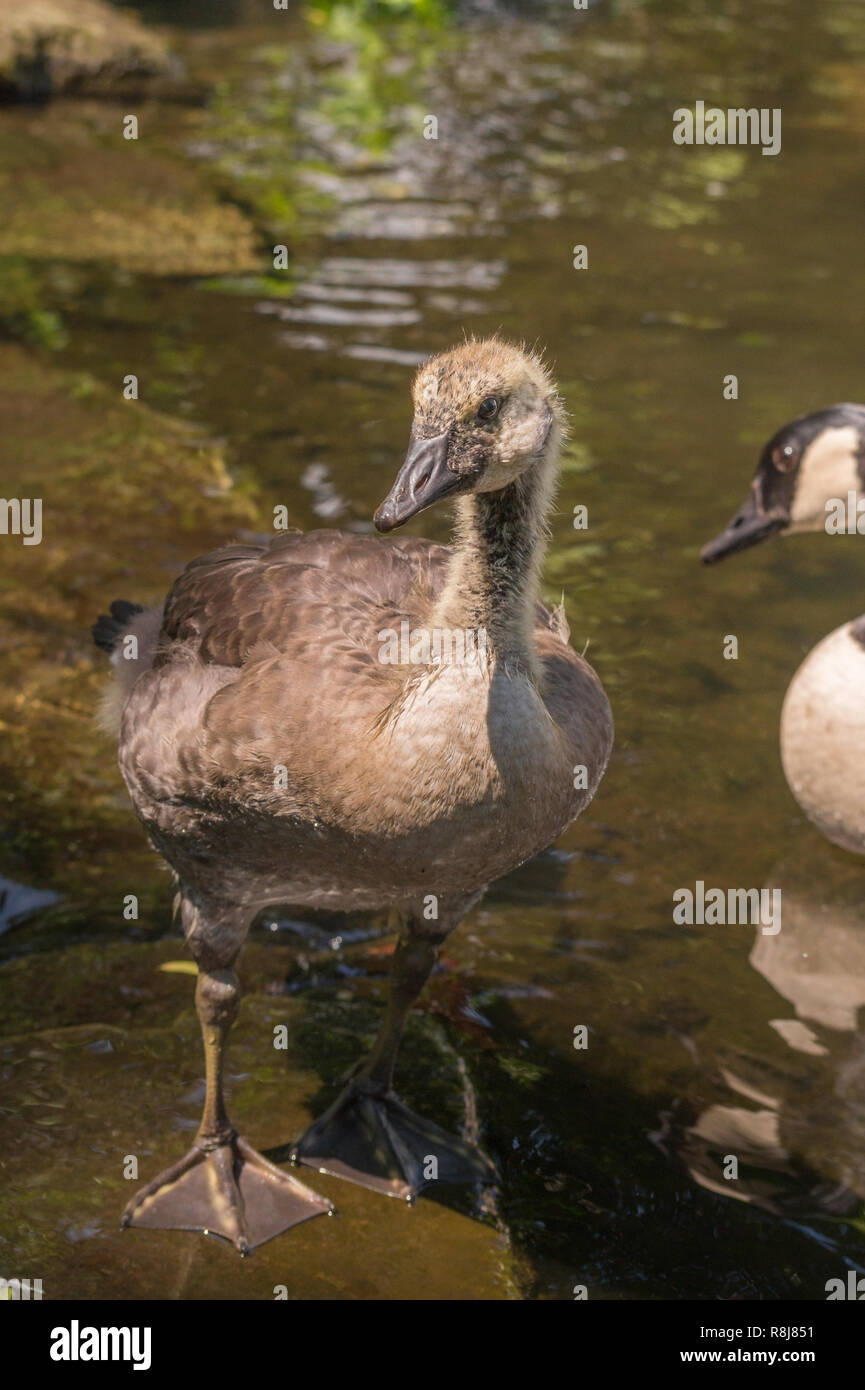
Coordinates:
823 738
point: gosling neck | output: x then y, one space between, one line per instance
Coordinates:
493 580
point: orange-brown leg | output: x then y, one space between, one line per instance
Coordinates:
222 1186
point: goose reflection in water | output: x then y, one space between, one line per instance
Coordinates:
797 1126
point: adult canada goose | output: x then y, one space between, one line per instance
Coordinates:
811 477
276 752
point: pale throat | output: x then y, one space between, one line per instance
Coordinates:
499 546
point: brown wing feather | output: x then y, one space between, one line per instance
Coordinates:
242 597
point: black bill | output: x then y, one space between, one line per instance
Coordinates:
423 479
751 524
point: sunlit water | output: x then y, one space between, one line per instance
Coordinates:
553 131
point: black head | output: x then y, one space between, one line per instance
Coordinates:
814 461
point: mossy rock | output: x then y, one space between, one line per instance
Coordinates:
129 496
78 191
51 46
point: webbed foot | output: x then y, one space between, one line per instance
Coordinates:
228 1190
376 1141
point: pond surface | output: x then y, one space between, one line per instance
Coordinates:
262 388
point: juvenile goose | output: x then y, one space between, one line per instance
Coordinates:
810 473
275 754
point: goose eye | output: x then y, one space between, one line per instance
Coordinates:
783 457
488 408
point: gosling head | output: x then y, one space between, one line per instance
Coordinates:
809 464
484 414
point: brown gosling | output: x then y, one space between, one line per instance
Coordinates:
338 722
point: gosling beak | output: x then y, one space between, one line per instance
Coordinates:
752 523
423 479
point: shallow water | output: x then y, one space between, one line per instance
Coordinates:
554 130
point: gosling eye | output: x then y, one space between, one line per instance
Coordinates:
489 408
783 457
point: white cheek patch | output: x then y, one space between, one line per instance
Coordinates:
522 437
513 447
519 434
828 470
